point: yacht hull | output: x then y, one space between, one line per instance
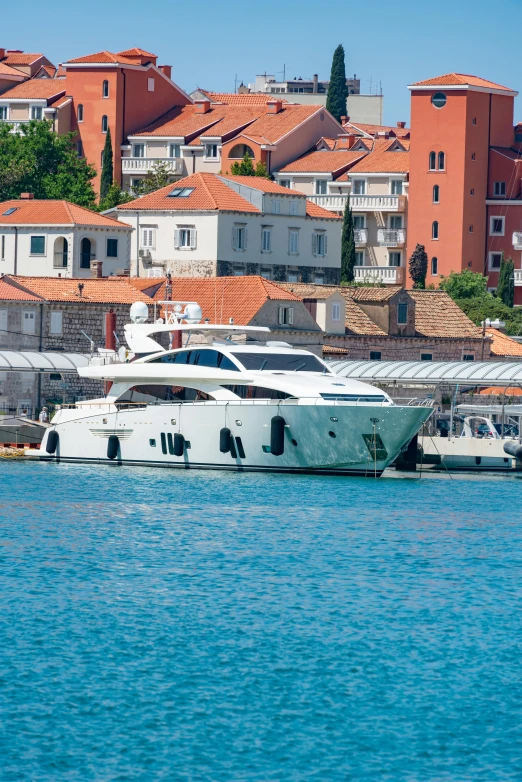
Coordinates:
468 453
318 438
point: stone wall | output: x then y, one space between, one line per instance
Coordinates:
280 272
409 348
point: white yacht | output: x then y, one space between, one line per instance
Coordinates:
218 404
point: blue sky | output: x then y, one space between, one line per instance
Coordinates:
208 43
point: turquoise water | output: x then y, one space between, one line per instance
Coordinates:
160 625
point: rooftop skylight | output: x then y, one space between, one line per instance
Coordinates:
9 211
181 192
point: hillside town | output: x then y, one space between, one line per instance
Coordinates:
293 211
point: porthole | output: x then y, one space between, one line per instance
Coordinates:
332 434
238 422
173 421
334 420
294 442
439 100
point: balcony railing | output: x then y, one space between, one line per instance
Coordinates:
518 277
394 238
391 275
142 165
361 203
16 124
60 260
361 237
517 241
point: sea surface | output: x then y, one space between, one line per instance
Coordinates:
165 625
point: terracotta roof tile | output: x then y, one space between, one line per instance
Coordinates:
39 89
246 99
185 122
222 298
306 290
136 53
314 210
20 58
6 70
502 345
384 158
101 57
273 127
105 290
43 212
372 294
11 293
437 315
358 322
323 161
372 130
500 390
457 79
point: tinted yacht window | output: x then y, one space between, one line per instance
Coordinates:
203 357
282 362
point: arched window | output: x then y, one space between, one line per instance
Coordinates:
105 89
442 161
105 124
435 230
239 151
436 194
434 266
433 161
80 112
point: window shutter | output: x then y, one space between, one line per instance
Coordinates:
281 318
325 244
314 244
234 238
290 311
56 322
193 238
3 320
246 237
177 239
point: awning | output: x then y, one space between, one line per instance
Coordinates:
468 373
29 361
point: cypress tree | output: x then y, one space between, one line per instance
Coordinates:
107 167
347 245
337 89
506 282
419 266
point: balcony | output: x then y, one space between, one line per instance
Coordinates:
361 203
390 275
395 238
518 277
517 241
143 165
16 124
361 237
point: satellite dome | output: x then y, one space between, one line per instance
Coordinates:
193 313
139 312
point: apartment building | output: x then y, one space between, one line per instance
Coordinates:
37 99
210 225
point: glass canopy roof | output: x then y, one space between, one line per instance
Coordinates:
28 361
476 373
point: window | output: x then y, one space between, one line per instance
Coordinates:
319 244
239 272
36 112
37 245
474 121
148 238
28 322
495 261
426 356
3 113
175 150
499 188
181 192
468 357
292 277
56 322
473 156
359 186
294 207
395 222
442 161
2 249
266 240
150 85
138 150
80 112
321 186
435 230
112 248
336 311
402 314
79 147
396 187
395 259
434 266
472 191
204 357
436 194
276 207
375 355
105 89
286 318
104 124
359 258
293 242
266 273
136 184
358 222
211 151
496 226
3 320
439 100
433 161
286 183
319 279
185 238
471 229
239 238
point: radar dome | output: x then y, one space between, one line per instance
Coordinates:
193 313
139 312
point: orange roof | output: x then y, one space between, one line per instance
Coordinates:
460 80
38 89
10 293
222 298
272 127
500 390
183 122
210 194
136 53
245 99
323 161
50 70
313 210
6 70
101 57
20 58
43 212
62 102
384 158
372 130
437 315
104 290
502 345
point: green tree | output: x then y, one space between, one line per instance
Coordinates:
107 174
506 282
245 168
159 176
115 196
347 245
464 285
37 160
419 266
337 89
261 170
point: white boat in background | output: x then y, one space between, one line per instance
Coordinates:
220 404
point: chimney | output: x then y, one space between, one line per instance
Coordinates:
382 134
315 83
26 196
401 124
202 106
274 106
2 54
97 269
80 289
167 70
344 120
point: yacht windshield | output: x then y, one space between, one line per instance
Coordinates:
285 362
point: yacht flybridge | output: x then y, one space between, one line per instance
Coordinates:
217 403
